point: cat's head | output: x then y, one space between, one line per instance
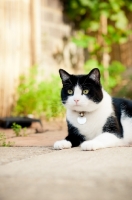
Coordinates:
81 92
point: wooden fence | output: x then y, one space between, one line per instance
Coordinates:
23 24
17 47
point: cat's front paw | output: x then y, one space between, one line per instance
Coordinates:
62 144
91 145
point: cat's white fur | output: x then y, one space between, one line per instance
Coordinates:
96 115
62 144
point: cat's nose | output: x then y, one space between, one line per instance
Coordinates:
76 100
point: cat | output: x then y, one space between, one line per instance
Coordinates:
95 120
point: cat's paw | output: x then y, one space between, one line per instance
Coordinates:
91 145
62 144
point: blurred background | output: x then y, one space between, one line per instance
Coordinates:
37 37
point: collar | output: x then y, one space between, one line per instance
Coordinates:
81 113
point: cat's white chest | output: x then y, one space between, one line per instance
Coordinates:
90 125
85 124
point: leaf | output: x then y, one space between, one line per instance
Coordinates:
83 40
94 26
90 64
120 20
88 3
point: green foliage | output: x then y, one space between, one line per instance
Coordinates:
3 142
85 14
86 41
17 129
114 70
40 98
99 24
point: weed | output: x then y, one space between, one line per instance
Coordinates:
40 98
17 129
3 142
24 132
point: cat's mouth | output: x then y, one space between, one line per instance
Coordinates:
77 106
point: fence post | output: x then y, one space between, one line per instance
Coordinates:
35 31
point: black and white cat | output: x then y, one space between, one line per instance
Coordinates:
95 120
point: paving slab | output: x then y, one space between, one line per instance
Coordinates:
11 154
30 173
40 139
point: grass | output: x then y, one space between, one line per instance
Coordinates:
40 98
3 142
18 130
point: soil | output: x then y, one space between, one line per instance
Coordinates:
36 136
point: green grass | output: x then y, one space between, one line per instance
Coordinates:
17 129
3 142
40 98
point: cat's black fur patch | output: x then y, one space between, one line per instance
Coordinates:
120 106
95 89
117 102
74 136
112 126
124 105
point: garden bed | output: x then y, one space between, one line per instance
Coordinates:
52 131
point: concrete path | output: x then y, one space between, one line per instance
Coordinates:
38 173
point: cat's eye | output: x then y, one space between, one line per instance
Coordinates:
70 91
85 91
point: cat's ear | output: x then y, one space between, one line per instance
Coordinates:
95 75
64 75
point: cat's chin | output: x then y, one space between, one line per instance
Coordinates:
78 108
84 108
